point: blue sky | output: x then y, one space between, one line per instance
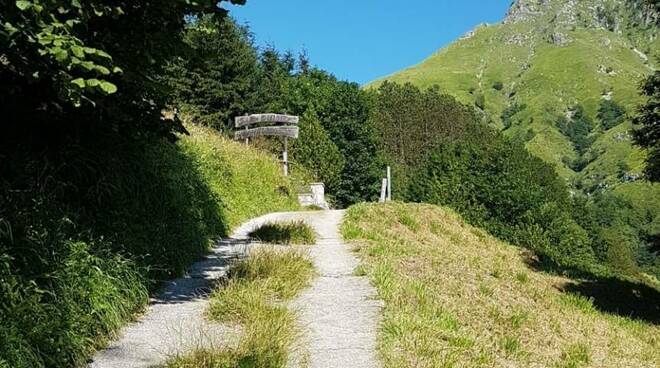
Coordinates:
361 40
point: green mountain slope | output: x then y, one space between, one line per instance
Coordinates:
549 56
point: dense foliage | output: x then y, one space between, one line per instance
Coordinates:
610 114
445 156
648 117
410 122
90 62
227 76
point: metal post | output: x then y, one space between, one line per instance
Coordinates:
389 184
285 157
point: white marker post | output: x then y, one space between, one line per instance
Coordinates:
383 191
389 184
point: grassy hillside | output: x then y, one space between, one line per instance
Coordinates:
551 56
87 230
455 296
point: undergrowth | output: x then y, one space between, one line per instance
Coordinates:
252 298
293 232
87 230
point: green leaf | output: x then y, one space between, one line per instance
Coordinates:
76 4
78 51
87 65
103 54
22 4
117 70
93 82
101 69
108 87
59 53
10 28
79 82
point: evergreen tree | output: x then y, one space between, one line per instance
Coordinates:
218 77
648 120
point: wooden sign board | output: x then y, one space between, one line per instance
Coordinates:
272 131
242 121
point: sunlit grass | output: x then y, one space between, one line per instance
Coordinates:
252 299
455 296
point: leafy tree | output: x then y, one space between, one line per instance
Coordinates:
610 114
217 78
90 61
648 120
315 150
411 122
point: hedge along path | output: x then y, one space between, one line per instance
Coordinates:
338 312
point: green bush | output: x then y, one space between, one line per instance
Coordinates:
497 184
610 114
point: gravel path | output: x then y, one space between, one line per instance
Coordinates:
338 311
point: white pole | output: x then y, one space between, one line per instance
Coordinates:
389 184
383 191
285 157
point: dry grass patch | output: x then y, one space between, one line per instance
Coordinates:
456 297
251 298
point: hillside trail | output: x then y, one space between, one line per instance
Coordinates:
338 312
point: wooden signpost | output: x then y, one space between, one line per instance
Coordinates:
276 125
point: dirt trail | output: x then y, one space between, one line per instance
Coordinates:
338 312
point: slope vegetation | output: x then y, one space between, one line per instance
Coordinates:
455 296
543 62
82 243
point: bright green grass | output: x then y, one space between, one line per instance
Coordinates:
292 232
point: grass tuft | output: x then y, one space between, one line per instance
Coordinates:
293 232
251 297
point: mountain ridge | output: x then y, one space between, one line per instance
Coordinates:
545 60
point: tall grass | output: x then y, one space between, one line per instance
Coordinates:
252 297
455 296
88 230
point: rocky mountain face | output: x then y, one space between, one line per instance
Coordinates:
544 72
628 17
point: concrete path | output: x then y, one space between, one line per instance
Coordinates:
339 311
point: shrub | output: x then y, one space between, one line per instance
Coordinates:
498 86
610 114
514 195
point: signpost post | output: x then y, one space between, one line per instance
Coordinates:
269 125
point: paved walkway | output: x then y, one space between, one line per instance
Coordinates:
339 312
